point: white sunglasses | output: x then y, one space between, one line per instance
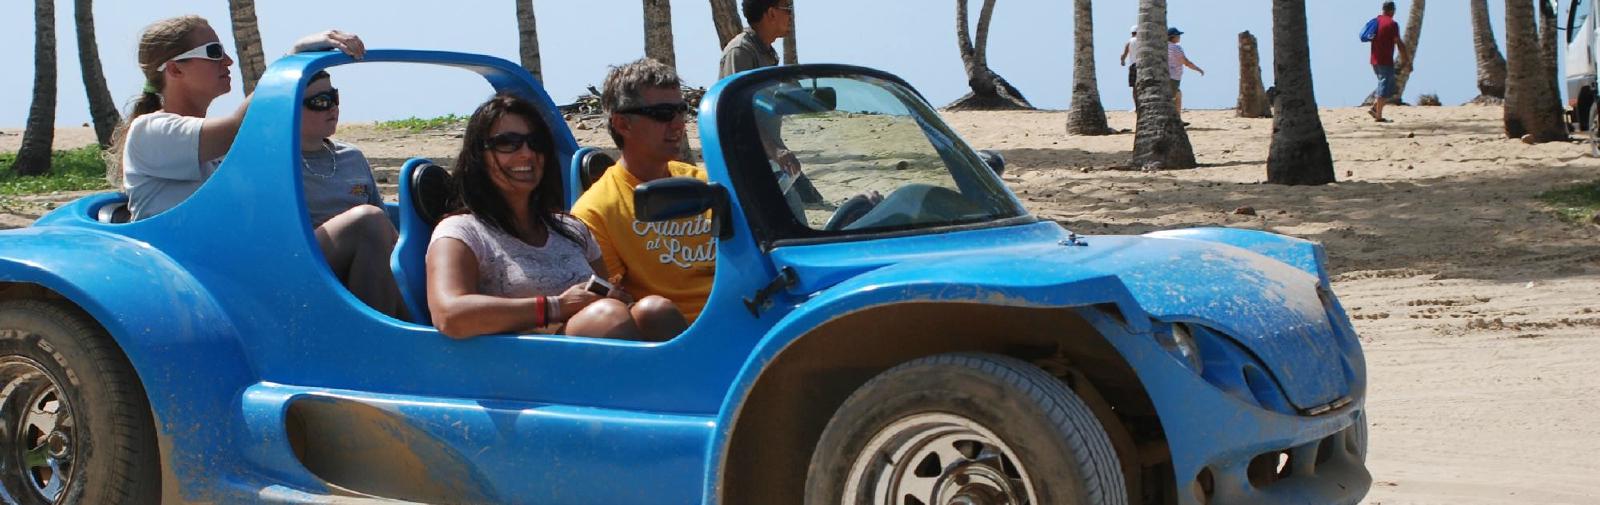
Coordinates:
210 51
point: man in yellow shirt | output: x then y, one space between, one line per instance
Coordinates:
673 259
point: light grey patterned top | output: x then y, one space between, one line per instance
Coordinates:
511 268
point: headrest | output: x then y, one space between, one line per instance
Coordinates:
431 192
593 165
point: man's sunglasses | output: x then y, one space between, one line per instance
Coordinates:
210 51
323 101
507 143
663 112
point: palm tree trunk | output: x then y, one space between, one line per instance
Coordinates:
1413 40
1551 75
989 90
658 32
791 54
528 39
1252 93
1159 141
1088 115
33 158
247 42
101 106
1491 66
725 16
1299 153
1532 112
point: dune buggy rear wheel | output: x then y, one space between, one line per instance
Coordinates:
964 429
75 427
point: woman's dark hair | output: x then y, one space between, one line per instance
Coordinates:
477 192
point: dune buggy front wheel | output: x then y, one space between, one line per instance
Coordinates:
75 427
964 429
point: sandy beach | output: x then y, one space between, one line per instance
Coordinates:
1478 308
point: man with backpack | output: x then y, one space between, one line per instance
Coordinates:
1384 35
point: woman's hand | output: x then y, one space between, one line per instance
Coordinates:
348 43
573 300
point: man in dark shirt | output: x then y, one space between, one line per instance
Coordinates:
1383 60
769 21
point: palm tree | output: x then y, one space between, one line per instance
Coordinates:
1252 93
1532 111
790 57
658 32
1547 50
989 90
1491 66
1159 141
101 107
1299 152
1087 116
247 40
725 16
1413 39
528 39
34 156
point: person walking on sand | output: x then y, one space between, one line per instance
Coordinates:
1128 49
1176 60
1384 42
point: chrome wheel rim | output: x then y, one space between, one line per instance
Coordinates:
937 459
37 427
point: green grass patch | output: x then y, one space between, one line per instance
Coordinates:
1574 203
415 124
70 170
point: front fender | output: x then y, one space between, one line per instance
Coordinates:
902 284
182 346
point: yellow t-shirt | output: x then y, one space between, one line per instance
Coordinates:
674 259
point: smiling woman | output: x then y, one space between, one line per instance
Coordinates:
513 261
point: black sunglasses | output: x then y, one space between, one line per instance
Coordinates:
507 143
322 101
663 112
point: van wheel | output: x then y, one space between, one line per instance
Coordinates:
75 426
964 429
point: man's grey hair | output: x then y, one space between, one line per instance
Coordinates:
625 85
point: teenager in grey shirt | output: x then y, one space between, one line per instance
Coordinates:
342 199
769 21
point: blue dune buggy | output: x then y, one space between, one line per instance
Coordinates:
912 337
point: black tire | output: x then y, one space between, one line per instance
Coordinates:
1059 448
109 447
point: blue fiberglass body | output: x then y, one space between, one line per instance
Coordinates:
234 324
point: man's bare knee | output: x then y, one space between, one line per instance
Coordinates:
659 319
605 318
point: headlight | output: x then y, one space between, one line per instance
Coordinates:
1181 343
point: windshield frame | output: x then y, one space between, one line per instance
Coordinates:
771 222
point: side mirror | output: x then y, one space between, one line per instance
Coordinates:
790 100
681 197
995 161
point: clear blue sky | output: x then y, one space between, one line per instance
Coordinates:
1030 45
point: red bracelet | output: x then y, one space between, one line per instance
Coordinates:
539 311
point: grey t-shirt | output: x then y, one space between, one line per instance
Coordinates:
511 268
746 52
336 178
161 163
